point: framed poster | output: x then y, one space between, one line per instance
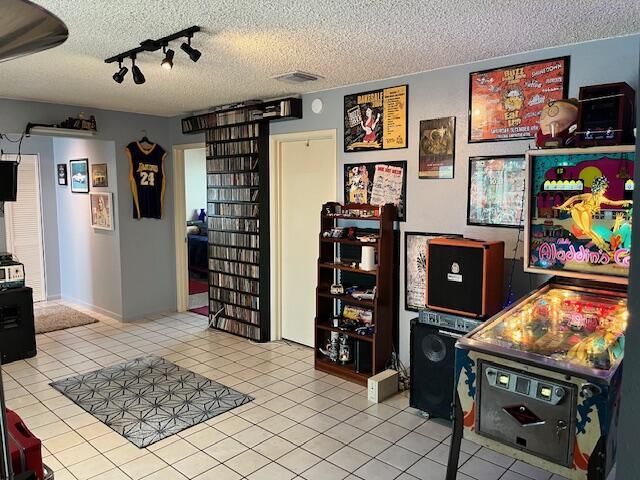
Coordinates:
62 173
580 212
505 103
99 176
101 210
415 268
377 184
79 175
437 148
376 120
496 191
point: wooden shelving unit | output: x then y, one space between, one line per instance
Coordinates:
384 305
237 145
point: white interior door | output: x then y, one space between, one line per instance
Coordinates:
23 224
308 180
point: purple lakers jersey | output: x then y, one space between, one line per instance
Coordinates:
146 176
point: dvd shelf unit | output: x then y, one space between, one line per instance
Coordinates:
237 149
339 272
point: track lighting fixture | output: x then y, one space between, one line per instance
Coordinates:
152 46
167 63
194 54
118 77
138 77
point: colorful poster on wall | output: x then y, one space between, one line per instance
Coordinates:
377 184
496 191
415 264
101 210
505 103
437 145
581 212
376 120
79 172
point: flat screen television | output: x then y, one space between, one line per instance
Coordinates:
8 181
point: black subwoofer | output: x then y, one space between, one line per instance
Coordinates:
17 330
432 368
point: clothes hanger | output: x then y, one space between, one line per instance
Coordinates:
145 139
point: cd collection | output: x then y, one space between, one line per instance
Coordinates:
232 148
228 296
221 165
233 268
233 195
234 239
237 116
239 313
233 179
233 209
199 122
234 283
234 254
238 224
233 326
233 133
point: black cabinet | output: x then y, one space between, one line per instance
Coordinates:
17 330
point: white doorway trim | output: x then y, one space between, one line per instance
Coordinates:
180 224
275 223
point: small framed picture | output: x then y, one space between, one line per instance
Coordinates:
62 173
79 175
99 176
437 148
101 210
496 191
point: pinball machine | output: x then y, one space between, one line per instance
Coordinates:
540 381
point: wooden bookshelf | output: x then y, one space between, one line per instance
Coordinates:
384 305
237 148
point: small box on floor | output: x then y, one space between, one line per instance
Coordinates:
382 386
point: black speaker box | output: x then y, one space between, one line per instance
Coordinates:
432 368
17 331
8 181
363 356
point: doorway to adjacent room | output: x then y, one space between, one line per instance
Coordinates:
303 178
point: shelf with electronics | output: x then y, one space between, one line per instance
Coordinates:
356 320
237 152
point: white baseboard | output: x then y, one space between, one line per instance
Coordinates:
94 308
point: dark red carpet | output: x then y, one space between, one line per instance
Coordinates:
197 286
201 311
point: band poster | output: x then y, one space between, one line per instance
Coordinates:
505 103
437 144
376 120
376 184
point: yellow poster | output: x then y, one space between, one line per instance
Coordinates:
395 117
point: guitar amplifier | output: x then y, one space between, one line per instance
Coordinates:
11 272
432 344
17 329
465 277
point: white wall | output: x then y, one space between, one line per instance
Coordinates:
90 264
195 177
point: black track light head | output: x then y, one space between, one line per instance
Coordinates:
118 77
138 77
167 63
194 54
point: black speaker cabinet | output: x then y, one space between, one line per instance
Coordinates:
465 277
17 331
606 115
8 181
363 356
432 368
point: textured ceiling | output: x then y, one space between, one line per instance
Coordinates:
246 42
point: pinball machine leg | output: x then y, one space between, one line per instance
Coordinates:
456 440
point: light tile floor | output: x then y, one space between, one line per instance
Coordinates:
303 424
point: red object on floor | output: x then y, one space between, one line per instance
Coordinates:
25 448
196 286
201 311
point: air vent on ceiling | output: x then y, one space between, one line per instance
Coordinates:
297 76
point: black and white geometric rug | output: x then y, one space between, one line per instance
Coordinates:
149 398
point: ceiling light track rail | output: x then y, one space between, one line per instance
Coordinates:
154 45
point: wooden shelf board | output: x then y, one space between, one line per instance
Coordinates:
344 371
352 217
337 266
346 241
364 338
349 299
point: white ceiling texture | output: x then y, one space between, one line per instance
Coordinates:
244 43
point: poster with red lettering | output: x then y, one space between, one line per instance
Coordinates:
505 103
